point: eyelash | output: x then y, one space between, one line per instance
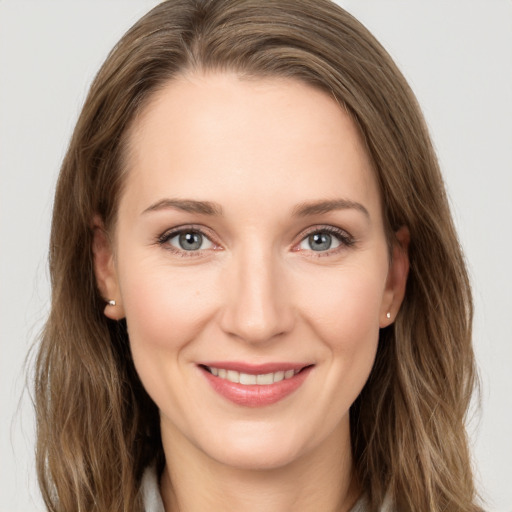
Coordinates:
345 239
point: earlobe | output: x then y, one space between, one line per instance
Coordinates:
397 278
105 271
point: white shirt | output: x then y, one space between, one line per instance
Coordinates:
150 491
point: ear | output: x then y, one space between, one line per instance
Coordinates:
105 270
397 278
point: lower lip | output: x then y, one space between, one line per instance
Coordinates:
257 395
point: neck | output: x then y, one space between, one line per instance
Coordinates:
322 479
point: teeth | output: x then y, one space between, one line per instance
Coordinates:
249 379
246 378
278 376
267 378
233 376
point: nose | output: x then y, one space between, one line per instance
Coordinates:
258 306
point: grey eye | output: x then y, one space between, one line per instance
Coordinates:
320 241
190 241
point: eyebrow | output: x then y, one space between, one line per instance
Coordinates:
320 207
186 205
214 209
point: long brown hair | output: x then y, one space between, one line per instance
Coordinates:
97 428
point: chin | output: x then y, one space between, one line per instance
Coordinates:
257 448
255 457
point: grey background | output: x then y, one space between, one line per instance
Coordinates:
457 56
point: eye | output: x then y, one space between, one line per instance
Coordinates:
325 239
319 241
187 240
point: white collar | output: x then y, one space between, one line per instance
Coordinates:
150 492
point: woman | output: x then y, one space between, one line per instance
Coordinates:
247 308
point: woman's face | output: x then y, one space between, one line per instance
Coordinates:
250 246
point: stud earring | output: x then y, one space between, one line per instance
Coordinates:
388 315
111 302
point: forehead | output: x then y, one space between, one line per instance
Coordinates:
275 138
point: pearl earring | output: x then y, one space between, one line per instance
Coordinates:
388 315
111 302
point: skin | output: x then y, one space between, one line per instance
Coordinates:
255 291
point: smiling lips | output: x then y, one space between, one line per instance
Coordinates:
255 386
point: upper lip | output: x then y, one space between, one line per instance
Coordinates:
256 369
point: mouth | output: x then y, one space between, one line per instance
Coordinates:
255 385
250 379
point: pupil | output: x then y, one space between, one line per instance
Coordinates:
190 241
320 241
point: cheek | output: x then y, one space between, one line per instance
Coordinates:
344 306
343 312
165 309
163 303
